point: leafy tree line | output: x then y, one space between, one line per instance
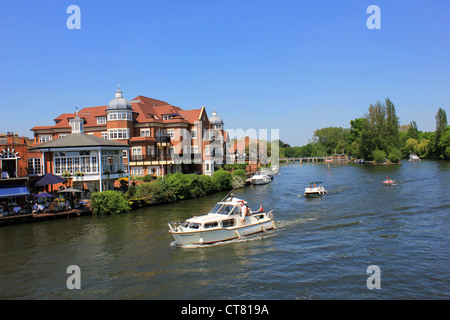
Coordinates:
377 136
174 187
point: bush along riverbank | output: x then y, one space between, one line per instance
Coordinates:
174 187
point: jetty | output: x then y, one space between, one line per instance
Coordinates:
34 217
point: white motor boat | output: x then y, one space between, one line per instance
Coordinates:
315 190
414 157
260 178
224 222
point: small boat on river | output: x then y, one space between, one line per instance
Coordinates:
315 190
224 222
388 182
414 157
260 178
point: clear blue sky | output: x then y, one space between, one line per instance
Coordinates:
291 65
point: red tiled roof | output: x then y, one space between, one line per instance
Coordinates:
148 110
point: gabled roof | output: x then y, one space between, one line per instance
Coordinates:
79 140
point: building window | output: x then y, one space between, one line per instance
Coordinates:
101 120
112 161
116 134
45 138
137 171
105 134
171 133
136 153
120 115
194 133
145 132
167 117
73 162
34 166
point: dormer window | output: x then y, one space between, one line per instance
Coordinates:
101 120
167 117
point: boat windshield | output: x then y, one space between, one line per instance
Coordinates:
223 208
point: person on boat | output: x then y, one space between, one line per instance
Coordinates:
244 212
261 209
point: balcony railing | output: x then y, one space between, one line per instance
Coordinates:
161 139
139 157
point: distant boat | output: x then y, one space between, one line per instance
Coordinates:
388 182
315 190
414 157
260 178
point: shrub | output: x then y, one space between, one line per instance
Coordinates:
147 178
395 155
180 184
379 156
109 202
222 180
241 173
196 188
156 192
208 183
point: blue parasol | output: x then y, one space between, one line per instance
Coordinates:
46 179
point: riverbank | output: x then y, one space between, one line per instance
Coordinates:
35 217
174 188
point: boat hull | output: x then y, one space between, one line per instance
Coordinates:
204 237
260 181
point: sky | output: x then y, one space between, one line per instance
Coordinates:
295 66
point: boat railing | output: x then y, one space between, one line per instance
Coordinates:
174 225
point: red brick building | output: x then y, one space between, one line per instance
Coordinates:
163 138
14 165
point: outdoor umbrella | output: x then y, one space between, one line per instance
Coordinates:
48 178
69 190
44 195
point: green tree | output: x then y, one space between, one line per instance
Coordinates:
411 146
441 125
444 143
379 130
413 131
392 125
331 138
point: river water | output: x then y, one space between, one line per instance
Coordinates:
321 248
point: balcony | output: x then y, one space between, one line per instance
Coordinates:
163 141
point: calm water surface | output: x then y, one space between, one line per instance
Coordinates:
320 250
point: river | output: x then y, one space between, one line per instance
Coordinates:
321 248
